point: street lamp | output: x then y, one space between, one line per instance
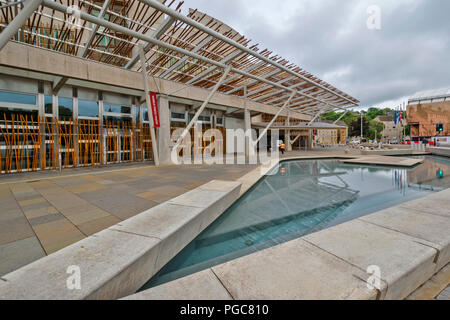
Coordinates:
362 114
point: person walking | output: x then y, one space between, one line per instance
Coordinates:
282 147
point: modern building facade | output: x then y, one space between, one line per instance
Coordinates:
427 111
70 98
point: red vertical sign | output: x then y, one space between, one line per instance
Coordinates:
155 112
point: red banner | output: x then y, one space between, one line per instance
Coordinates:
155 112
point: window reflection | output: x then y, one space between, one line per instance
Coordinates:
87 108
65 108
117 109
14 97
48 104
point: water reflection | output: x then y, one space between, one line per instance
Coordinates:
433 174
303 197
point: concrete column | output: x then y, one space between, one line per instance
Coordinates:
247 125
41 102
55 131
75 129
164 131
310 140
288 134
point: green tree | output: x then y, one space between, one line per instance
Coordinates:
354 129
375 127
372 113
348 118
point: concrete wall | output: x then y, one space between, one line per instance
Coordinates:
424 117
233 123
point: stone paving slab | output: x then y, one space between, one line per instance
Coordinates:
100 260
433 229
118 261
276 273
433 287
294 270
385 161
404 262
437 204
203 285
252 278
19 253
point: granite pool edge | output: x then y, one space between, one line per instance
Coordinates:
397 286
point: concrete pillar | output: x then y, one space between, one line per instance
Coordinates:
310 140
247 125
164 131
288 134
75 129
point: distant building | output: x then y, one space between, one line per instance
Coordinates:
392 132
332 137
426 110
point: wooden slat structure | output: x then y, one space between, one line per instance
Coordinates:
51 29
31 144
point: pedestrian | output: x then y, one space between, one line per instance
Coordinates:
282 147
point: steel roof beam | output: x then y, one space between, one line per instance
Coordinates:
253 67
271 74
224 61
322 97
173 13
157 35
284 96
18 21
185 58
270 87
95 28
153 41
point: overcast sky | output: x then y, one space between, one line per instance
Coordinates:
330 39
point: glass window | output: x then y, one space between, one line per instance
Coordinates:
65 108
117 109
87 108
219 121
178 124
137 112
145 114
17 113
48 104
14 97
114 121
204 118
177 115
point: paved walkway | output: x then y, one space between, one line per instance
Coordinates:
52 211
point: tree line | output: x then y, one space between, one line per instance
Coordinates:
353 121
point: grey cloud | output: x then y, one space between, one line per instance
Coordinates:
410 53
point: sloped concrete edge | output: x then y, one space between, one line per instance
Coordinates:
408 246
117 261
443 152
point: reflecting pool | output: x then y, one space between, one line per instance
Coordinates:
301 198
